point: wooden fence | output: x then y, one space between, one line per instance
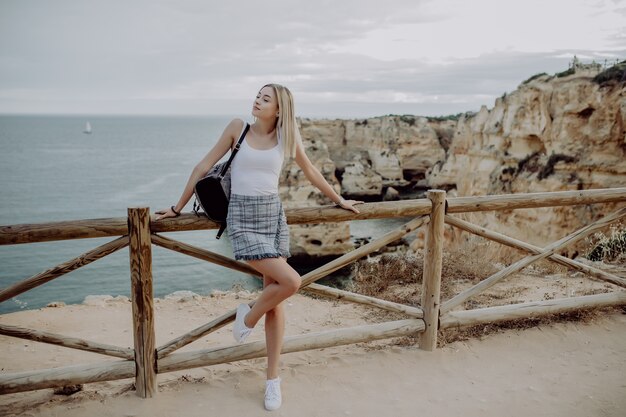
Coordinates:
145 360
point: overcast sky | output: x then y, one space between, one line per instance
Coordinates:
340 58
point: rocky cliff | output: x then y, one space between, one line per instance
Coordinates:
366 159
313 241
374 154
553 133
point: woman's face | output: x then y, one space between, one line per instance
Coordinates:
265 105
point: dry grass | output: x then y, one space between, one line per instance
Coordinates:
480 331
469 259
609 245
399 278
384 276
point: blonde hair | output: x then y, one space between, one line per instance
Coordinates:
286 122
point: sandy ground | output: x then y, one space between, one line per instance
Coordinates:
563 369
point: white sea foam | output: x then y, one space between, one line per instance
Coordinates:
103 300
182 296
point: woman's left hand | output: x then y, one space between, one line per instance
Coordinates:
349 204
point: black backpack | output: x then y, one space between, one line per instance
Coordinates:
213 191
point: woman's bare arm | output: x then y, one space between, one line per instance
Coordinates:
225 142
318 180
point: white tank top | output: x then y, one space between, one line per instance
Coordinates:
255 171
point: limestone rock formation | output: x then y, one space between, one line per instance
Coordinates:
313 240
551 134
389 151
359 179
554 133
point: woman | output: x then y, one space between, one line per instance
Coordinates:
256 222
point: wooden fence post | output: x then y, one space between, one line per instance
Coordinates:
141 294
431 284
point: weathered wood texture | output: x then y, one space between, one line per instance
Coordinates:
335 293
530 310
196 333
338 337
69 342
29 233
524 262
527 247
202 254
69 375
79 374
64 268
534 200
66 230
307 279
431 280
142 300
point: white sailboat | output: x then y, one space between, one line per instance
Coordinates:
87 128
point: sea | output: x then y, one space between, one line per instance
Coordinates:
50 170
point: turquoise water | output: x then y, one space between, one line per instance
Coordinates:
51 171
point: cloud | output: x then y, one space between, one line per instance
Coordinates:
350 57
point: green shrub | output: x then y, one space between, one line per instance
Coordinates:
617 73
610 247
541 74
569 71
453 117
548 169
408 119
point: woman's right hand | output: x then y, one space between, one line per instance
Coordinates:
164 214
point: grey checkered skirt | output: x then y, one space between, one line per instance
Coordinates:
257 227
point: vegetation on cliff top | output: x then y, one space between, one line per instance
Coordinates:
617 73
411 119
534 77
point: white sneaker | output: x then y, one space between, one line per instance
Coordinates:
273 397
240 330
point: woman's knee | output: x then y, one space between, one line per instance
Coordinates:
292 285
275 271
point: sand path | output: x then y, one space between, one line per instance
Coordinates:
565 369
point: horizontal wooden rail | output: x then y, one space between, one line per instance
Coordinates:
65 341
338 294
65 230
530 310
80 229
527 247
64 268
535 200
68 375
329 338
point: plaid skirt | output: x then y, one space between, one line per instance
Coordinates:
257 227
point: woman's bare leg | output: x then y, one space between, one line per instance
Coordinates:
274 332
286 282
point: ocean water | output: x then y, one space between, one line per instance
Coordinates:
51 171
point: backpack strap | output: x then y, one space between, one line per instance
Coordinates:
221 230
246 127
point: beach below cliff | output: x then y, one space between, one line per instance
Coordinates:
573 368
